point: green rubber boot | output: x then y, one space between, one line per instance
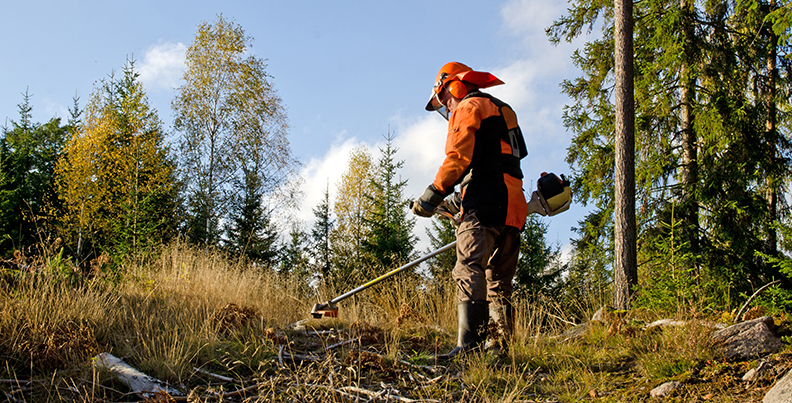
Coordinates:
472 317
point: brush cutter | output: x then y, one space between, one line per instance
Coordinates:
553 196
444 210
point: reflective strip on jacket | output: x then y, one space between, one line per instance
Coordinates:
483 149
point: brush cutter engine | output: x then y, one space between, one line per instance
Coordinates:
552 196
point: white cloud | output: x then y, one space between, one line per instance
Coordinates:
162 65
319 172
528 19
57 110
532 90
420 145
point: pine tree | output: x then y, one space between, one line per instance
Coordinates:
703 148
293 259
441 232
250 230
588 277
625 266
538 270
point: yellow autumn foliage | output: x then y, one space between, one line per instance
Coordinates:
353 203
114 168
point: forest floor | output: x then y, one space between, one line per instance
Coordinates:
216 330
329 360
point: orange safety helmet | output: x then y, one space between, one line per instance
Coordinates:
452 74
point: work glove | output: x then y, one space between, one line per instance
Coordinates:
427 203
454 203
450 208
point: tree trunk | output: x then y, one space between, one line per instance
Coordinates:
687 94
624 266
771 194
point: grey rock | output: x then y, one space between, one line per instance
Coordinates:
748 339
758 373
659 325
730 331
781 392
665 389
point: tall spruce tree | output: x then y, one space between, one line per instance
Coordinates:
625 266
699 129
320 236
293 259
441 232
390 242
28 154
538 269
760 28
250 231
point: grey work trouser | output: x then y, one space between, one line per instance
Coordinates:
486 260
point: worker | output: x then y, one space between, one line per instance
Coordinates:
484 146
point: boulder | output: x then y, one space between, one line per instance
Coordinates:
748 339
576 332
781 392
603 314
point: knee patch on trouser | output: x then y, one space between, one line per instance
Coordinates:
475 245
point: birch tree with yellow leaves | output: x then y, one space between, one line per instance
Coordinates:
233 145
116 179
352 207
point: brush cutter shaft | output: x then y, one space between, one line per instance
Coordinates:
391 274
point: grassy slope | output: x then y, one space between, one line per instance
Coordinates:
187 309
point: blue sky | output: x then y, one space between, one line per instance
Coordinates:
347 71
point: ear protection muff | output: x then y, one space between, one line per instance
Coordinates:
457 89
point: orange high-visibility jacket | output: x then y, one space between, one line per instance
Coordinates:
483 151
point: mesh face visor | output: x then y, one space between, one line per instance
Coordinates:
435 103
443 111
440 107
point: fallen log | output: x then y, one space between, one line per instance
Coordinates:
138 382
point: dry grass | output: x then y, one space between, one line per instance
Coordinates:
195 319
